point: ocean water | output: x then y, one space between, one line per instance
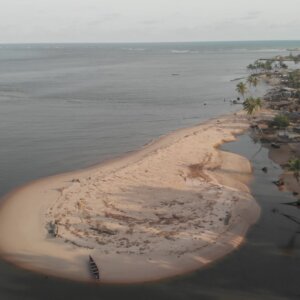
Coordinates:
69 106
64 107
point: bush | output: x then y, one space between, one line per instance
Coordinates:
281 121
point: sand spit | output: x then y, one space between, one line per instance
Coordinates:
170 208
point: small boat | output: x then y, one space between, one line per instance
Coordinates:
94 269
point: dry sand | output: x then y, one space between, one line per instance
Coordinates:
172 207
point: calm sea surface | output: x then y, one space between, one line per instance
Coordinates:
64 107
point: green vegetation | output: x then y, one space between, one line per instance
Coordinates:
283 97
294 58
294 165
252 67
251 105
267 66
278 62
294 79
241 88
280 121
262 66
252 81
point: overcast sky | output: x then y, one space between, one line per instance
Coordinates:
147 20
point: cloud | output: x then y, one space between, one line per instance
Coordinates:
144 20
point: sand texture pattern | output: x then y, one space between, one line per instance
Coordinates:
170 208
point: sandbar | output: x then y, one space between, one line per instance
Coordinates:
172 207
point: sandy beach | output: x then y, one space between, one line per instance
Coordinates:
172 207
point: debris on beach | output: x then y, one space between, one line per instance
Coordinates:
52 229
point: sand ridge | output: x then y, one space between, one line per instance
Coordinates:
172 207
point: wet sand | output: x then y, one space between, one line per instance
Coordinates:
170 208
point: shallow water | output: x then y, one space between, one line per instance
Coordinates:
65 107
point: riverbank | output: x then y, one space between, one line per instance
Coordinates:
279 132
170 208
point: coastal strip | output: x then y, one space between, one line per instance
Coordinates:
170 208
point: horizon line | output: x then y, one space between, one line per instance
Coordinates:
153 42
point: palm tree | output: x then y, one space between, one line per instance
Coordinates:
251 105
241 88
252 81
268 65
294 165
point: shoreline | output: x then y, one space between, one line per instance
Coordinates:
177 241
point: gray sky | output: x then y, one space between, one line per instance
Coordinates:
147 20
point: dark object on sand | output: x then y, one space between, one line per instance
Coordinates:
94 269
52 229
279 182
265 169
295 193
274 145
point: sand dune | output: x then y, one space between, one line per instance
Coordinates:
170 208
